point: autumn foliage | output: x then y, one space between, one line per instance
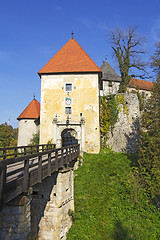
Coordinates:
8 136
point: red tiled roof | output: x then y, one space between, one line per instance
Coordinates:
31 111
70 58
141 84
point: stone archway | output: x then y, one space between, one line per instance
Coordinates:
69 137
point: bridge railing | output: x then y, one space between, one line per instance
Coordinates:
18 174
13 152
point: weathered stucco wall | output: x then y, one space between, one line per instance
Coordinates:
126 131
113 89
109 89
145 92
85 102
26 129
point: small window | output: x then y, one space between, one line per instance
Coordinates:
68 87
101 85
110 83
68 110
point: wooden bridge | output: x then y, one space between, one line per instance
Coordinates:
23 167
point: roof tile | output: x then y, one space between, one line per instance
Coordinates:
141 84
31 111
70 58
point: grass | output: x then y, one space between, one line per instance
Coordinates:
109 203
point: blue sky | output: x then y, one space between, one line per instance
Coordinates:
31 32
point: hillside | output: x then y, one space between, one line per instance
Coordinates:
109 203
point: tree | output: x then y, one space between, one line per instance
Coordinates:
149 149
155 64
35 139
127 48
8 136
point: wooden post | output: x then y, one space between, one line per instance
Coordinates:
49 164
2 183
25 151
40 169
31 150
56 160
70 154
15 152
62 157
66 158
4 154
26 176
74 151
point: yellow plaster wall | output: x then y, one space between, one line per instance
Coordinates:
85 100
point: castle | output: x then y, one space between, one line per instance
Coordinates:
71 84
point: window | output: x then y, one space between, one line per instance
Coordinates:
110 83
68 110
68 87
101 85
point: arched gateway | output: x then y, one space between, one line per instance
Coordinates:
69 137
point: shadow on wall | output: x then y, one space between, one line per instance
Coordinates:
132 139
125 137
40 197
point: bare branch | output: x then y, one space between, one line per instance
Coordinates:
127 48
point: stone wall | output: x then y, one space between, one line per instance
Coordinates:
15 220
126 131
109 88
26 129
50 206
43 213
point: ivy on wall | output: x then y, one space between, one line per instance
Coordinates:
121 100
109 109
108 113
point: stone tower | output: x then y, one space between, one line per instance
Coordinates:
70 99
28 123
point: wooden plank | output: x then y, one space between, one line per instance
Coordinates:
13 172
4 154
40 169
49 164
70 155
13 189
15 152
62 158
56 160
2 183
26 176
43 165
66 156
33 180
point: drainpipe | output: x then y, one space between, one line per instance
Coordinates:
55 130
82 121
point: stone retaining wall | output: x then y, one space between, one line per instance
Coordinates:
43 213
125 135
15 220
